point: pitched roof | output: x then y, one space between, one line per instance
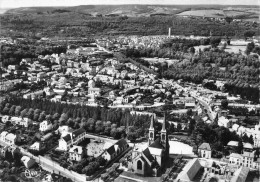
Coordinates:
78 132
236 155
157 144
67 138
233 143
121 143
240 175
205 146
111 150
148 155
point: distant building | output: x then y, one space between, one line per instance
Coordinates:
27 161
189 171
45 126
76 153
73 138
116 149
205 150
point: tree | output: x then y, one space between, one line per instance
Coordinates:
63 117
17 110
70 122
12 110
56 116
224 103
179 128
99 126
91 124
229 19
249 34
251 140
197 139
42 116
245 138
23 113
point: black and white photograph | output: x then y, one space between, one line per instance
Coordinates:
129 90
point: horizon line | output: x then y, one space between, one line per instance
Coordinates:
136 4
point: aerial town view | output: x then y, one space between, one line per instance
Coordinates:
129 91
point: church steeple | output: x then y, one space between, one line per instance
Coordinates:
163 131
151 131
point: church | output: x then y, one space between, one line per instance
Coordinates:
151 161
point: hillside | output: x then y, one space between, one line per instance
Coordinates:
144 10
92 20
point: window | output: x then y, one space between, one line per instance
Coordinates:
139 165
163 136
151 135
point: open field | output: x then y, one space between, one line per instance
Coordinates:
206 13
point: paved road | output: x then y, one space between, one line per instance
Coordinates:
207 107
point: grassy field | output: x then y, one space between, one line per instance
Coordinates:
207 13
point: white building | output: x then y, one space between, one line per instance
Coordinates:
205 150
76 153
45 126
246 159
72 138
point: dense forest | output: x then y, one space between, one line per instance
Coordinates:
72 24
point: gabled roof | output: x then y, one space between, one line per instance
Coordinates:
121 143
240 175
111 150
236 155
148 155
78 132
205 146
157 144
67 138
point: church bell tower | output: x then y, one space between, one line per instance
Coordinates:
151 131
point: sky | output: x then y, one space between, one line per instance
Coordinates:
29 3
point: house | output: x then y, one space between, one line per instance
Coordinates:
189 171
53 178
45 126
205 150
71 139
116 149
151 160
246 159
222 121
20 121
11 139
37 146
76 153
27 161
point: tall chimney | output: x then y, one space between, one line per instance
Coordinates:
169 32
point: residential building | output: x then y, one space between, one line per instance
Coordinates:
189 171
205 150
116 149
27 161
45 126
76 153
73 138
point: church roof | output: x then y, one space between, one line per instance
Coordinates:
148 155
157 144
